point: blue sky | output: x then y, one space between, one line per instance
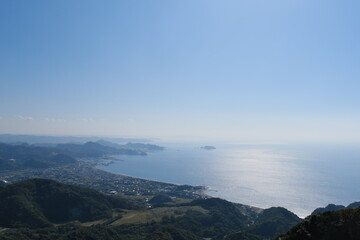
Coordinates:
251 70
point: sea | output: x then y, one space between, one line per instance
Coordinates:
299 177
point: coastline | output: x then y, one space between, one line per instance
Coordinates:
201 190
86 174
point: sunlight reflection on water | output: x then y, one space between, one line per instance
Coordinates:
261 176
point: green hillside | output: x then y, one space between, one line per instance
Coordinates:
39 203
268 224
16 157
44 209
337 225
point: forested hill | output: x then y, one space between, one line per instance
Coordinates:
39 203
332 225
15 157
333 207
31 209
268 224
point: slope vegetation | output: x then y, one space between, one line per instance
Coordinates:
33 207
336 225
16 157
39 203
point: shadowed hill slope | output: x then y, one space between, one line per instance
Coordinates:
15 157
39 202
336 225
269 223
32 207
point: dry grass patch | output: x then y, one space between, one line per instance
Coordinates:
156 214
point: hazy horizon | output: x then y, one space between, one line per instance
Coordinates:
252 71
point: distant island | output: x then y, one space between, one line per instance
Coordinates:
208 147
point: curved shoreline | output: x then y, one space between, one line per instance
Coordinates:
148 179
199 189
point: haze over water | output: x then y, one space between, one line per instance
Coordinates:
297 177
252 69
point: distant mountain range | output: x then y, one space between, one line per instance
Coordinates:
40 139
143 147
133 146
94 149
22 156
15 157
333 207
208 147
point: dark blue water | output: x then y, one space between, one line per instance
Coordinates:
298 177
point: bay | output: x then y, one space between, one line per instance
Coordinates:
299 177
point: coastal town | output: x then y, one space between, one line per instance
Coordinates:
86 174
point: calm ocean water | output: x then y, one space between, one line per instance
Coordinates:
297 177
